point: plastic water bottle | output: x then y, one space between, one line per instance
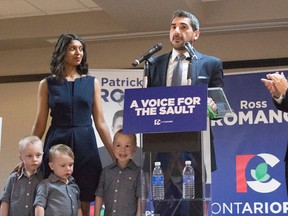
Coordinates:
188 178
158 182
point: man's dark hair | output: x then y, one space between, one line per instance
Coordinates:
193 20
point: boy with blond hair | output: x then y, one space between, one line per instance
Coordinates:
19 191
59 194
120 184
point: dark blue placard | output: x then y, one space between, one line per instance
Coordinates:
165 109
256 128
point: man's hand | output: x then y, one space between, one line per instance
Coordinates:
279 81
212 104
271 87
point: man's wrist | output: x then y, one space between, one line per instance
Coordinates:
278 99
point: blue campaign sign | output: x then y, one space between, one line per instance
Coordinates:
165 109
250 149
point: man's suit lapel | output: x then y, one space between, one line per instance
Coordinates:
163 65
196 65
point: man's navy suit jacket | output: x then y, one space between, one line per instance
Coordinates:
207 69
283 106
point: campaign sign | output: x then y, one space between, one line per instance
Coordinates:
165 109
250 149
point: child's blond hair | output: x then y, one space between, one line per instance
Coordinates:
60 148
28 140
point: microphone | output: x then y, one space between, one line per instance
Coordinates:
147 55
190 50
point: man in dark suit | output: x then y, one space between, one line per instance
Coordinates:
277 85
205 69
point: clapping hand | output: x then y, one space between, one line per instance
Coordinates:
276 83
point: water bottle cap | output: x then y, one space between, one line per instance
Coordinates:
157 163
188 162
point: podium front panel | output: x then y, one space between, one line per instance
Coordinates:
172 150
171 142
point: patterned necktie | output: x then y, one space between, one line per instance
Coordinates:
177 72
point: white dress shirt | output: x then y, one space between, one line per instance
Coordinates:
172 64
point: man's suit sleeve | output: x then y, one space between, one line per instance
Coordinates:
283 106
217 74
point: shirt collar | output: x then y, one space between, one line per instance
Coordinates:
175 54
53 178
22 173
131 164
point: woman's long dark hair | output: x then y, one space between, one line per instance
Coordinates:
59 53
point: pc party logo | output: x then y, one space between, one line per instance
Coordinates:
253 171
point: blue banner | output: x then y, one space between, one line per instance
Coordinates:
250 148
165 109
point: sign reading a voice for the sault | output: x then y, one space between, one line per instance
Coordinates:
165 109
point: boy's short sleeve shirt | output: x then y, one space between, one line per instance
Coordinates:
19 193
58 198
120 189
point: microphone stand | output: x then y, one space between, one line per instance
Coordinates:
146 71
189 73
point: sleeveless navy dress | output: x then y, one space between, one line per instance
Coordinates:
70 104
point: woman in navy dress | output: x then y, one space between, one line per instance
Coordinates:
72 97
